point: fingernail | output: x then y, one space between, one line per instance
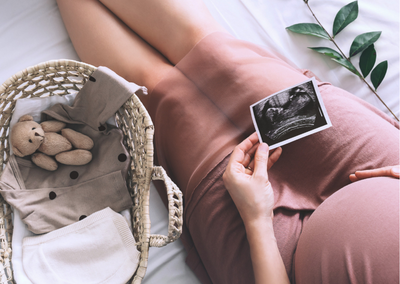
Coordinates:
263 147
395 170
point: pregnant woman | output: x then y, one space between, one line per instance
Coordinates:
201 82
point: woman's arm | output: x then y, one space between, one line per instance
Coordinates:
254 197
266 259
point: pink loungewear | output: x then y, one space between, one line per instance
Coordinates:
201 112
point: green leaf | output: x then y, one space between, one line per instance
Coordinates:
309 29
347 65
379 73
327 51
367 60
362 41
345 16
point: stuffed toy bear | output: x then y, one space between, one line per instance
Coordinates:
27 136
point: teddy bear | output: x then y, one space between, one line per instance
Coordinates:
27 137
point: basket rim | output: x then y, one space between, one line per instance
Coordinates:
51 63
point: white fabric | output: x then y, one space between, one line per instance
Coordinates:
32 32
97 249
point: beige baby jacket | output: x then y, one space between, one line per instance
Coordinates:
51 200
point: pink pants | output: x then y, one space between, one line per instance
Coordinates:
201 112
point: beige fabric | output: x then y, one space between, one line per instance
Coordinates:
50 200
98 249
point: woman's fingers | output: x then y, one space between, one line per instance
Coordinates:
261 160
274 156
253 138
240 151
249 157
390 171
242 154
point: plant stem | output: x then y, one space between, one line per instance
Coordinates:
361 77
331 38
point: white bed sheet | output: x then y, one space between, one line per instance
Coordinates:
32 32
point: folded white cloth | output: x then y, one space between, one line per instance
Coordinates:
98 249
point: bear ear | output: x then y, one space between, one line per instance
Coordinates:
17 152
26 117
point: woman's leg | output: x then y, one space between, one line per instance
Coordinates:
172 27
100 38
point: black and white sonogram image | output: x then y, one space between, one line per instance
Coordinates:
290 114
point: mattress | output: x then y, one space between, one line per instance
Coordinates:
32 32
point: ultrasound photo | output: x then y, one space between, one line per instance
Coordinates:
290 114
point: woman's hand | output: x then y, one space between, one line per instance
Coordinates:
390 171
247 180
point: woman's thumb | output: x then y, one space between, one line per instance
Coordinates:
261 159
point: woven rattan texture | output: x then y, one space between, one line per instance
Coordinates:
62 77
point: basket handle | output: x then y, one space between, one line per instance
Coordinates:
175 210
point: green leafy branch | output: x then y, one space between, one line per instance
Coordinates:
363 43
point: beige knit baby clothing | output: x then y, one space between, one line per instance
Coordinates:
51 200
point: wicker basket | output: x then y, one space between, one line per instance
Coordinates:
60 78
